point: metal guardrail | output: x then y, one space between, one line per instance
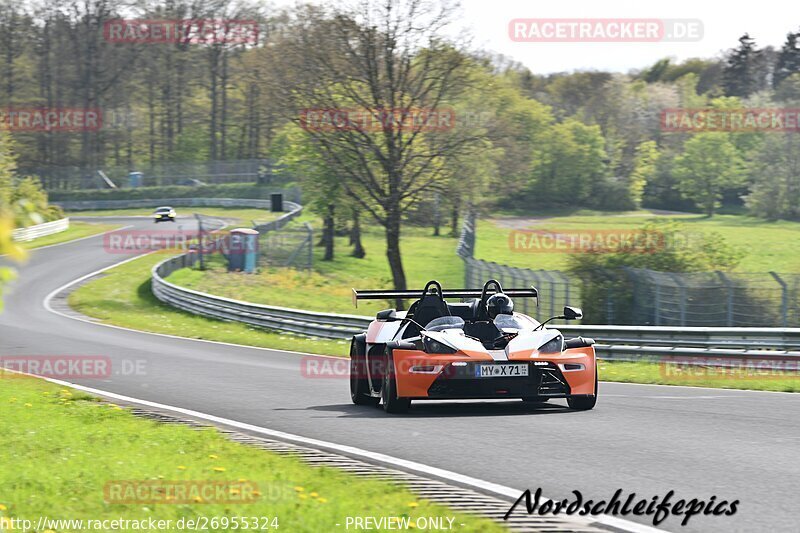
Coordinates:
706 346
40 230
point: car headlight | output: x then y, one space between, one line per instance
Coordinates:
172 213
554 345
430 345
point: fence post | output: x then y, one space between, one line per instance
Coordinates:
729 286
682 304
657 303
784 298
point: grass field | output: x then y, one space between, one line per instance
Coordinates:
245 214
122 297
767 246
77 230
329 286
65 453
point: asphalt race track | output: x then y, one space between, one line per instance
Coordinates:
643 439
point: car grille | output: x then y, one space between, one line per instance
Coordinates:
460 382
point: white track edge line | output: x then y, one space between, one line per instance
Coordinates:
405 464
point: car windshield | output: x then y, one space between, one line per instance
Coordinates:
163 209
511 322
445 322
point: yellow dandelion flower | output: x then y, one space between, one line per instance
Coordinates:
313 494
219 469
242 480
28 405
413 504
322 500
46 393
412 525
197 499
256 493
212 456
299 489
303 496
181 467
3 507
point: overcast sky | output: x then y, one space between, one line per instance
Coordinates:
768 21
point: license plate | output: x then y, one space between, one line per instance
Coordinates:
501 371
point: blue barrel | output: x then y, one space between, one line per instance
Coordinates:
242 250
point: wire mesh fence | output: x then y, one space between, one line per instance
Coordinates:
631 296
290 246
650 298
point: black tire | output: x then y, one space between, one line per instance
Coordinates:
391 403
359 385
585 403
534 399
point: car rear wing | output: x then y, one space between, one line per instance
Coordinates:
530 292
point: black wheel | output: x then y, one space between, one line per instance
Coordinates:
585 403
391 403
534 399
359 385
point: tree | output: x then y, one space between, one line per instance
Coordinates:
7 178
644 170
788 61
385 62
708 166
776 182
740 77
569 164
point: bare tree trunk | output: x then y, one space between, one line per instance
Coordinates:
454 216
328 232
393 253
437 215
355 236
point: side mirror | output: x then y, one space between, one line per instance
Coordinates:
387 315
572 313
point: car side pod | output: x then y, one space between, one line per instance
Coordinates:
389 398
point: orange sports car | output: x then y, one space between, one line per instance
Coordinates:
479 348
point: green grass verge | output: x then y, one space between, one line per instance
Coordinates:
62 447
245 214
77 230
122 297
329 286
659 374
